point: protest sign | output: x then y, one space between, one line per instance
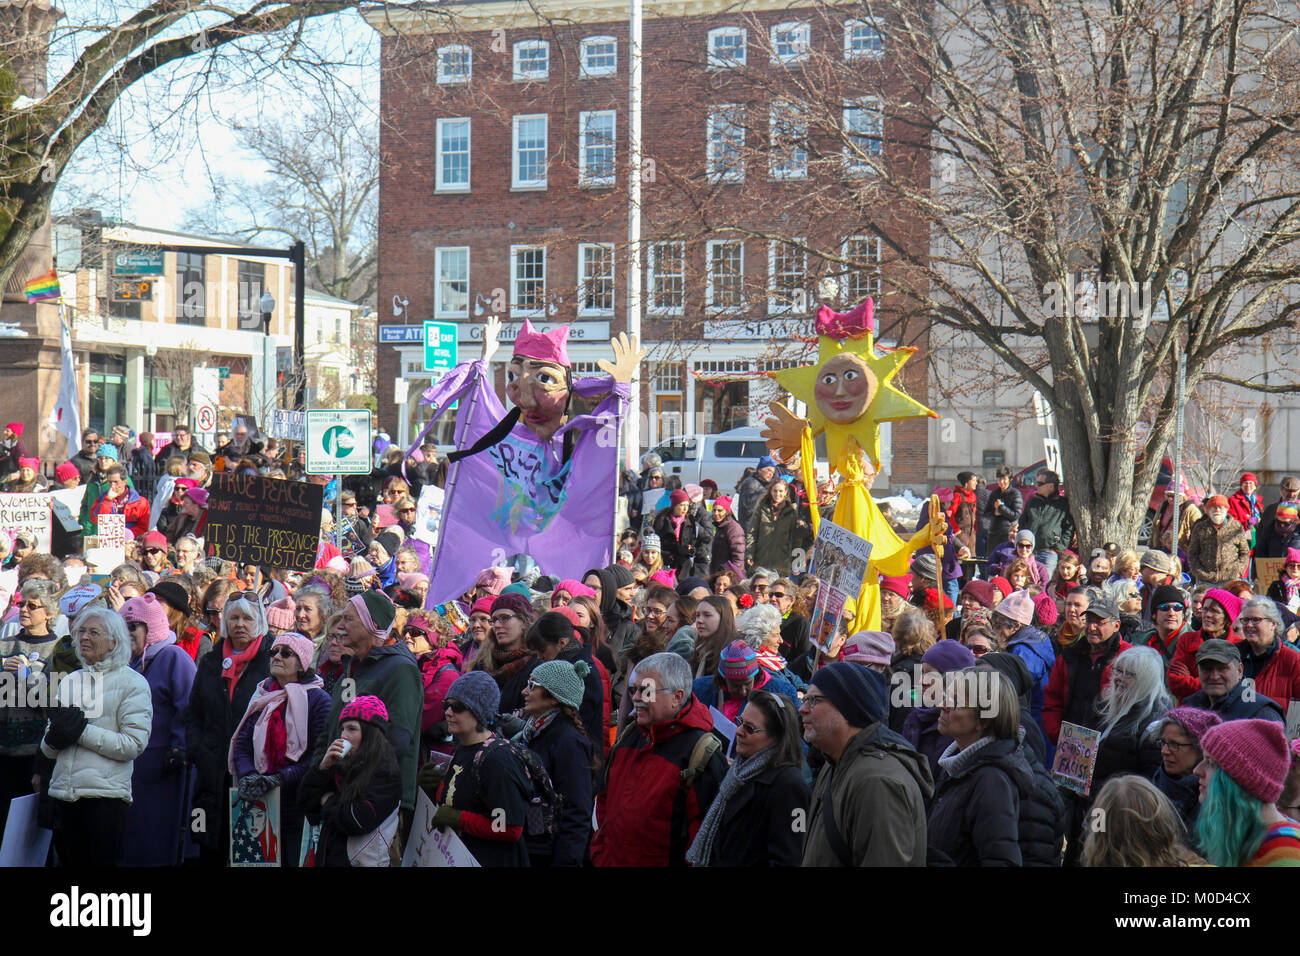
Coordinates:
722 725
840 562
104 560
269 522
255 830
27 512
160 441
66 503
25 843
287 424
110 530
1076 757
428 513
1266 572
429 845
307 846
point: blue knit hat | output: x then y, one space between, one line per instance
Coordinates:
479 692
562 680
854 692
107 451
767 461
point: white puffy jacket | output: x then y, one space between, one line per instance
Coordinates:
100 763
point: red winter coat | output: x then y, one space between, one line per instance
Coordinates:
635 808
1184 685
130 504
1280 678
1058 689
438 671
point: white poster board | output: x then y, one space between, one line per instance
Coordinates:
428 845
25 843
111 531
27 512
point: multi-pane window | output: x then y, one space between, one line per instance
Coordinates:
452 137
596 148
455 64
452 268
864 131
787 269
532 60
599 56
862 41
528 166
726 143
789 157
252 279
724 288
595 279
527 280
790 42
191 288
666 277
862 275
726 48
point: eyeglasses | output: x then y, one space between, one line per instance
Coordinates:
402 511
812 700
94 441
652 611
283 650
1255 621
454 707
32 606
132 625
212 611
156 551
1171 607
502 618
1173 745
979 650
1025 546
413 632
749 728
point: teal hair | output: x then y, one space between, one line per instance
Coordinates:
1229 827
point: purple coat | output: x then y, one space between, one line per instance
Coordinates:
728 548
159 816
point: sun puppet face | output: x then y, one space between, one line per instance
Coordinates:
844 389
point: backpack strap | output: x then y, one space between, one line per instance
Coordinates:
706 745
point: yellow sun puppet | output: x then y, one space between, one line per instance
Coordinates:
848 392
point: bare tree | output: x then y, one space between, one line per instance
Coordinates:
176 368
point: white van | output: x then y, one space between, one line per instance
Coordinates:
723 457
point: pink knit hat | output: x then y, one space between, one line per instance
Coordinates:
1018 606
900 585
148 610
365 708
66 471
1253 753
869 647
280 614
1194 720
494 579
200 496
575 588
1045 611
665 576
412 579
1230 603
300 644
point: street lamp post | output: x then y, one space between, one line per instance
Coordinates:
267 387
150 351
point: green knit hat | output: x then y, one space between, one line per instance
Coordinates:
518 588
380 607
562 680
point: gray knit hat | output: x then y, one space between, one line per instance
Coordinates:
562 680
479 692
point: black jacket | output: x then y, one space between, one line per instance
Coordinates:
1042 813
210 721
975 818
171 448
1050 521
756 827
1127 749
339 820
1235 706
592 710
678 552
1002 509
565 752
85 464
796 644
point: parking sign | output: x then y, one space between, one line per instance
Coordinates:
338 441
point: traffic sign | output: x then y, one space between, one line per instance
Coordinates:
439 346
338 441
207 418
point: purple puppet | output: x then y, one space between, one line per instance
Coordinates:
534 480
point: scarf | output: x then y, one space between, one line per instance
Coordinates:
771 661
290 703
510 665
741 772
233 664
955 761
189 643
535 724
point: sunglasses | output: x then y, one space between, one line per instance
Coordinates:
284 651
1171 607
454 707
156 551
212 611
32 606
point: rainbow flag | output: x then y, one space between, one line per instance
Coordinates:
43 288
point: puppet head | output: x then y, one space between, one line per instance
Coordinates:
538 380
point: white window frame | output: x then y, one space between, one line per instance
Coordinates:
873 282
788 161
452 79
440 184
439 255
869 54
800 44
522 76
652 272
852 163
717 62
774 305
585 178
517 310
584 69
713 144
710 298
515 181
583 278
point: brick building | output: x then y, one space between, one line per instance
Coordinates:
504 191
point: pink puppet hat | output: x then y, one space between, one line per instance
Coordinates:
549 346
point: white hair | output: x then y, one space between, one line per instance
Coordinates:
1145 691
250 604
671 669
120 653
756 623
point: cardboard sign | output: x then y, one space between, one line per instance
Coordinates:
429 845
160 441
255 830
104 560
111 531
840 560
1266 572
66 503
287 424
1076 758
269 522
27 512
25 843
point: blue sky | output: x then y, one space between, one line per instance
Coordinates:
153 160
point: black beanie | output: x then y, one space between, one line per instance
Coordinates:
622 576
174 594
1168 594
1014 669
854 692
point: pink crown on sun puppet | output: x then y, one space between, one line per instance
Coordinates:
847 325
549 346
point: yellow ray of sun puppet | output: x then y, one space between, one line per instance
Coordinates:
848 392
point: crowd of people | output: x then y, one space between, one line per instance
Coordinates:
668 709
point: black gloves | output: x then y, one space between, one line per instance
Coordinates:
176 759
66 727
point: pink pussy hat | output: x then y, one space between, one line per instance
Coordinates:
549 346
